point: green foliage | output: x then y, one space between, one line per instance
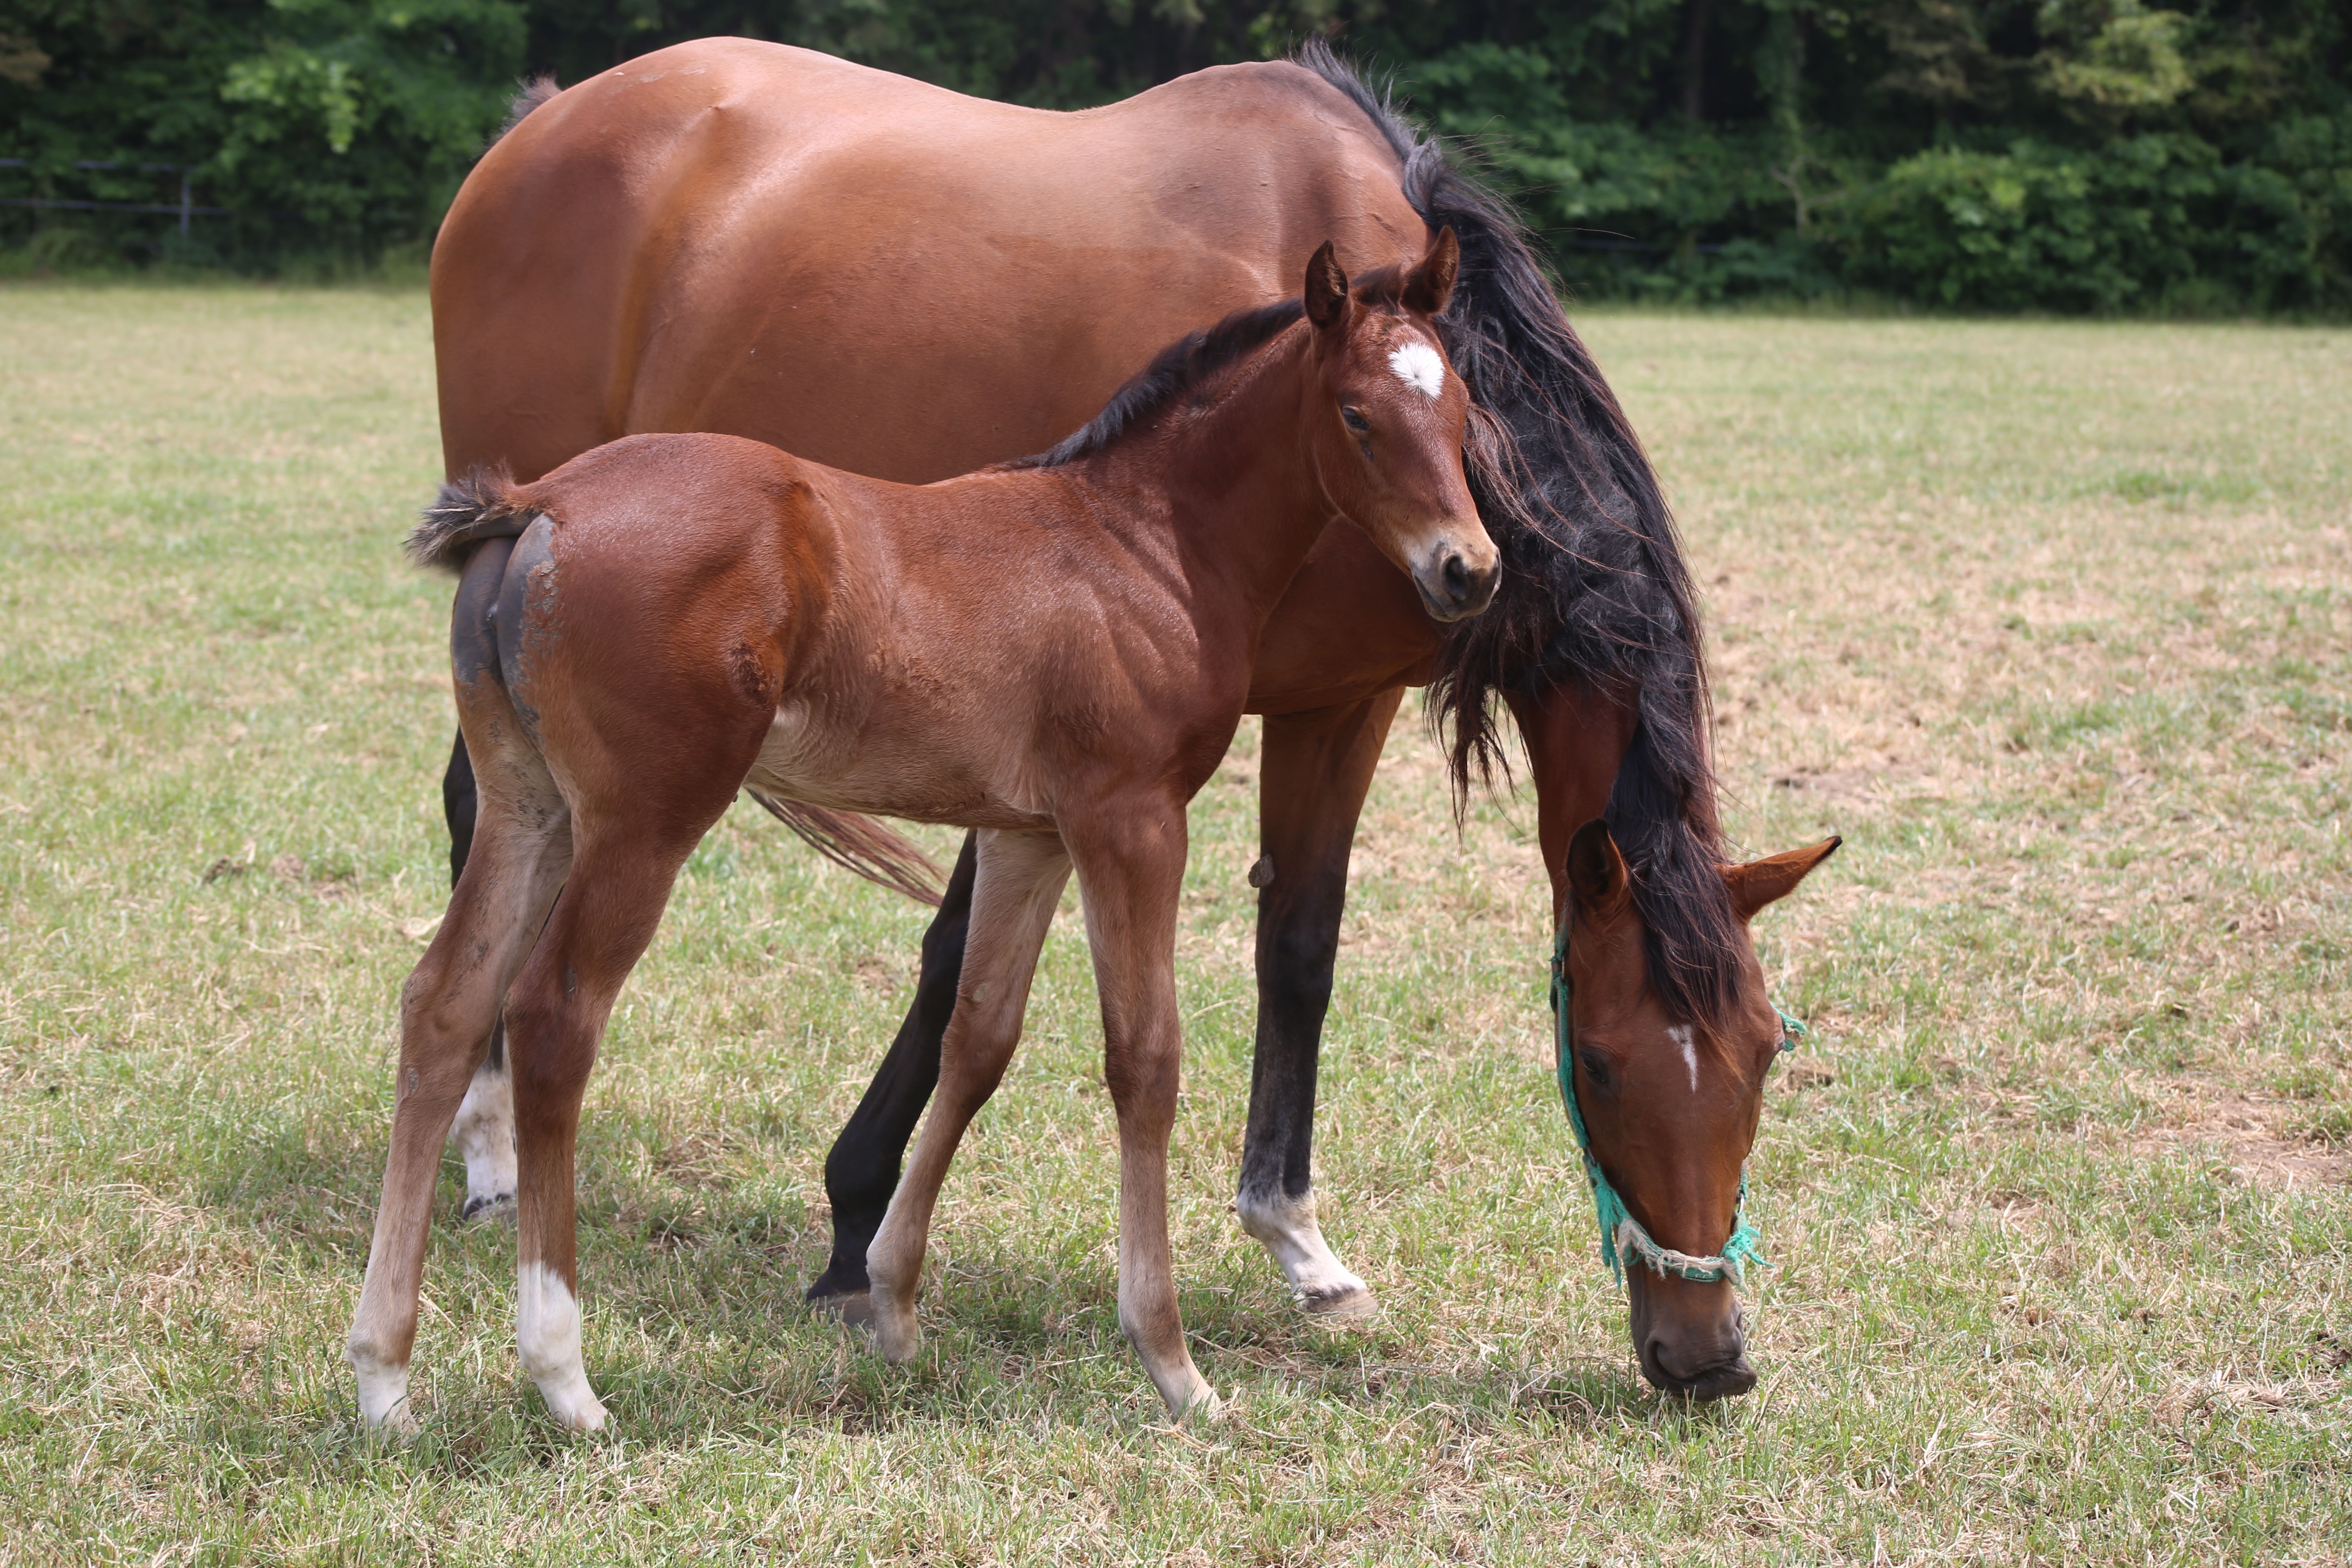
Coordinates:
327 128
2056 155
2158 218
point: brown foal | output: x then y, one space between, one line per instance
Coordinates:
1054 653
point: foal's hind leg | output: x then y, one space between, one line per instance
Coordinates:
555 1013
520 855
1017 884
1317 768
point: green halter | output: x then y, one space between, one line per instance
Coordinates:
1620 1234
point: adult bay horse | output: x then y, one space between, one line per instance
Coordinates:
876 274
1053 653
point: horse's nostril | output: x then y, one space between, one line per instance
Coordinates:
1457 576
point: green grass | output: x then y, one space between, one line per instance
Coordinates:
2050 621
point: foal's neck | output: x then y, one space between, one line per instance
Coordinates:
1239 496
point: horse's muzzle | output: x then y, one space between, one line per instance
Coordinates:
1725 1380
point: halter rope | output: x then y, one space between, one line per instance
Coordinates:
1617 1223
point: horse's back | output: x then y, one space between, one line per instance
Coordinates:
879 274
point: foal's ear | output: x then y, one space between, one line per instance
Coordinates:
1430 285
1326 290
1775 877
1595 870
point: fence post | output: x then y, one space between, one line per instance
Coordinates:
185 201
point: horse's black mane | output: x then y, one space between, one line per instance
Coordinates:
1595 589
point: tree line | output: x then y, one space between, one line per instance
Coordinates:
2080 155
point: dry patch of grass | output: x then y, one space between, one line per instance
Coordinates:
2050 621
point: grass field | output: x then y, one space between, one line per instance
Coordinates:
2050 621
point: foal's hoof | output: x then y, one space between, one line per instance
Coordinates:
897 1335
495 1205
1341 1307
1197 1408
855 1308
395 1426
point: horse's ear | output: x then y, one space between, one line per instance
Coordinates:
1430 283
1775 877
1595 870
1326 290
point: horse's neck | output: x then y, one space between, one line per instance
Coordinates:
1240 500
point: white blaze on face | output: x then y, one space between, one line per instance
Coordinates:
1418 366
1681 1035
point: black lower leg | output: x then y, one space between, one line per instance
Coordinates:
458 806
1297 942
862 1171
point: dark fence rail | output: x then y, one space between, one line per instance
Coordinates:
185 206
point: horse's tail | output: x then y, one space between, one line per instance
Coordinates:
859 844
485 504
529 95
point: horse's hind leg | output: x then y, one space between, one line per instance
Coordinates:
1315 768
484 1131
1016 886
485 1136
519 857
862 1169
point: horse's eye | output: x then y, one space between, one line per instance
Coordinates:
1355 421
1596 1069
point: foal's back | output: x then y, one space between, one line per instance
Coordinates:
933 652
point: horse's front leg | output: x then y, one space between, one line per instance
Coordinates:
862 1171
1314 771
1130 864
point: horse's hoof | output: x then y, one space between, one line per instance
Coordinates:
1348 1307
496 1205
855 1308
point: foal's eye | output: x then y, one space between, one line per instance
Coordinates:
1355 421
1596 1069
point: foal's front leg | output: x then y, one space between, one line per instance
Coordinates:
1131 873
1017 883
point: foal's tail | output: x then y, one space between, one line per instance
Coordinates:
485 504
859 844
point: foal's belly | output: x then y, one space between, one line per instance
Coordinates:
920 768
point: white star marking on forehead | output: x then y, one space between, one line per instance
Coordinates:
1681 1035
1418 366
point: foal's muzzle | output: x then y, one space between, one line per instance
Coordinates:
1457 583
